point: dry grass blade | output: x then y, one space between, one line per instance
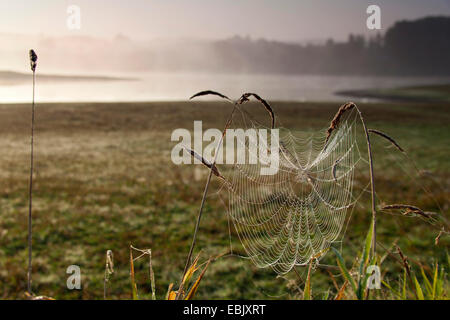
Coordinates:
133 281
172 295
209 92
341 293
109 270
245 97
147 252
436 241
404 261
42 298
384 135
205 162
169 291
409 209
407 267
190 272
33 297
337 118
152 275
194 288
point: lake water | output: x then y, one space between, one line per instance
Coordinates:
172 86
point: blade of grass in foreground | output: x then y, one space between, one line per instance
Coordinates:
194 288
341 264
419 291
152 275
307 290
133 282
362 281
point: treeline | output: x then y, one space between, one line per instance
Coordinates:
420 47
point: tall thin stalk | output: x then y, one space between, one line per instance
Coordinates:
205 192
243 99
372 186
33 59
334 124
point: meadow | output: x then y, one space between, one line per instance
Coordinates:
104 180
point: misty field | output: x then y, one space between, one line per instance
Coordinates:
104 180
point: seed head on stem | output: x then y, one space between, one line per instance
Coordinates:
33 60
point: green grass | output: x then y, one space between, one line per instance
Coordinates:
104 179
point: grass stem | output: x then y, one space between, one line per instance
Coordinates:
205 192
30 191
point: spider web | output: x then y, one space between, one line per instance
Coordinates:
292 217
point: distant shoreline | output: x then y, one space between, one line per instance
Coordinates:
429 93
15 78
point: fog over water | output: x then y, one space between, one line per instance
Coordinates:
305 53
161 70
180 86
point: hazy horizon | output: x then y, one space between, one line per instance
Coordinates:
291 21
157 29
161 38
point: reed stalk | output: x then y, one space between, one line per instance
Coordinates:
33 64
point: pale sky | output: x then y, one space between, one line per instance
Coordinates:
286 20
